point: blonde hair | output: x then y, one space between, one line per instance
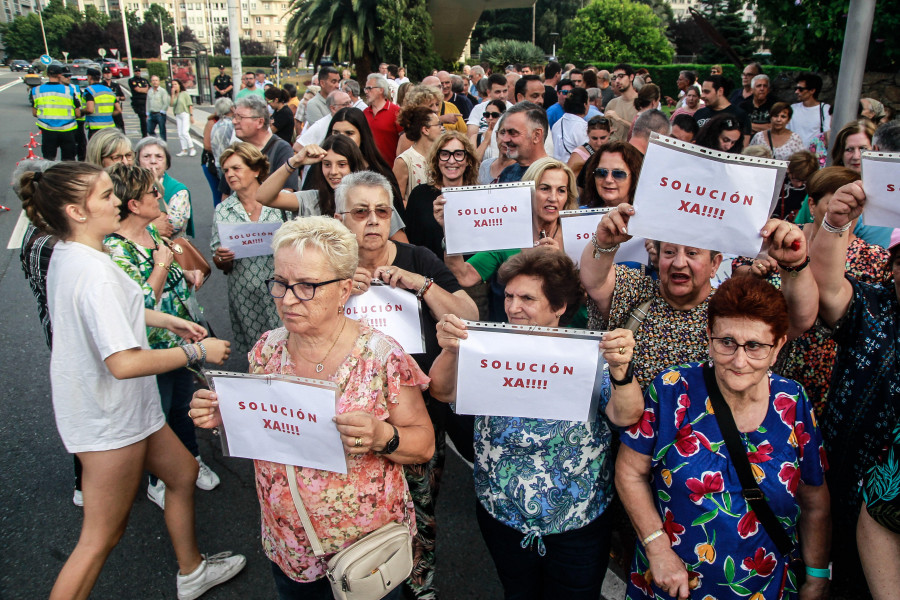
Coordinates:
325 234
537 169
422 95
251 155
105 143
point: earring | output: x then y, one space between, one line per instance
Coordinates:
83 219
340 309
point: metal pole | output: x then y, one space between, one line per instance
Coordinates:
175 25
234 37
533 19
43 33
853 65
127 38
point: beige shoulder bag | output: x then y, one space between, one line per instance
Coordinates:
369 568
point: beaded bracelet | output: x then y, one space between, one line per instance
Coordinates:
600 250
202 353
425 287
832 229
191 353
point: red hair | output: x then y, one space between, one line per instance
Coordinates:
748 297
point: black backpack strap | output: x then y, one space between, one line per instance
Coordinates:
738 453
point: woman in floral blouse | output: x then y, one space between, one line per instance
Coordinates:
543 486
381 416
679 485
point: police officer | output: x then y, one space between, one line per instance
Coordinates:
139 88
120 96
54 105
80 140
223 84
100 104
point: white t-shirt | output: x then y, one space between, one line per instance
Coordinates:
809 121
315 133
96 311
569 132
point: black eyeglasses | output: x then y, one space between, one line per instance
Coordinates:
619 174
303 291
458 155
728 346
361 214
493 115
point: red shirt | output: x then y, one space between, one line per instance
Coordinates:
385 129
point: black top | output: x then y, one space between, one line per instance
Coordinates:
461 102
283 120
220 83
759 115
706 113
138 98
421 228
550 96
117 90
423 261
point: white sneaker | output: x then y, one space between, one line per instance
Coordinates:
157 493
78 498
206 478
193 152
214 570
182 153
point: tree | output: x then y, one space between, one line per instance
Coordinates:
725 16
406 25
687 36
499 53
249 47
811 34
344 29
553 16
157 14
617 30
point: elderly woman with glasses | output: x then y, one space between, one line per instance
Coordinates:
177 217
381 417
108 147
678 481
137 248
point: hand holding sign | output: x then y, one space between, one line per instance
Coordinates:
438 209
362 279
203 409
846 204
360 431
618 350
882 186
395 277
450 330
613 228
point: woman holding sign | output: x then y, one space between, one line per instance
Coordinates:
543 486
725 470
105 400
380 414
251 311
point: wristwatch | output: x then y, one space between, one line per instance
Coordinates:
629 376
391 443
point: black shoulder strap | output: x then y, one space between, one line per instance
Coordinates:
771 143
821 117
738 453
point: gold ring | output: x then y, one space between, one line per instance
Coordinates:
621 349
190 416
358 286
358 442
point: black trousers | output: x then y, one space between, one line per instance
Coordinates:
141 111
64 141
80 141
119 121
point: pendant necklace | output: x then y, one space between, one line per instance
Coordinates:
319 365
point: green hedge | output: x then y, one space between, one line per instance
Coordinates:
139 63
160 68
665 76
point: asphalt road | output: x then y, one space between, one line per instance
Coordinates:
39 525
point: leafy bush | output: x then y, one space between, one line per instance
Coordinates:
160 68
619 30
499 53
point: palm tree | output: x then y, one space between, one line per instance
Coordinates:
344 29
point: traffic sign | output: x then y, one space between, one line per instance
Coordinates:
46 60
101 52
227 51
114 51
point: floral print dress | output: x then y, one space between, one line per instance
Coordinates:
342 508
698 493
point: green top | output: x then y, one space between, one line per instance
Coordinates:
804 215
182 103
246 92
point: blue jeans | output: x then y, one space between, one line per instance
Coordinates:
154 119
320 589
175 391
572 568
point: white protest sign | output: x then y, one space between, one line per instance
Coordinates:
393 311
579 225
703 198
280 419
881 182
247 239
488 217
533 372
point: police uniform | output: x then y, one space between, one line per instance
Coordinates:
120 97
220 83
55 104
104 105
139 100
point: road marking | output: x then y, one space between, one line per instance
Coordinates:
18 234
6 86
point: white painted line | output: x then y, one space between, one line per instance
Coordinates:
18 234
6 86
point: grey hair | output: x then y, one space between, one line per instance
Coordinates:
223 106
353 86
257 106
593 94
652 120
382 82
153 141
331 100
325 234
476 70
760 77
603 74
104 143
361 179
757 150
457 85
887 137
29 166
534 116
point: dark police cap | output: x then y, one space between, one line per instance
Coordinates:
93 73
107 69
54 70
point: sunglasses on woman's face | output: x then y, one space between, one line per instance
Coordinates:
616 173
493 115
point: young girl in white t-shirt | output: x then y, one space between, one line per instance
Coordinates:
105 399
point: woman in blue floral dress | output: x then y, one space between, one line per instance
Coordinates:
699 538
543 486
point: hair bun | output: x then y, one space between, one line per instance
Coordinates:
37 176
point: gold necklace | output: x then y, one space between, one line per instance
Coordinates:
319 366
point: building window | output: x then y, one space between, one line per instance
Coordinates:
246 20
258 33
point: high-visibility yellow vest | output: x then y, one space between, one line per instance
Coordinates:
55 107
104 105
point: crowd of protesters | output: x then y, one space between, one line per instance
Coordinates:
797 348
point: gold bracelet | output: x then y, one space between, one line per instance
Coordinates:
163 265
651 537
